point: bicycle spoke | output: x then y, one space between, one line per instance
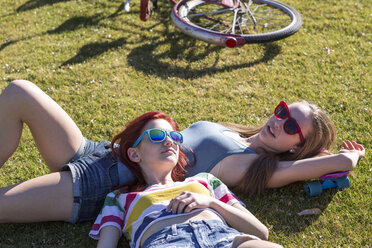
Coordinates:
214 21
210 13
235 20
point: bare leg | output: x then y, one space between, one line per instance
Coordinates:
45 198
258 244
55 133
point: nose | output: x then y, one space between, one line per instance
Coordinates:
279 123
168 141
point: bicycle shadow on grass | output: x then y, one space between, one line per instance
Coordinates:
170 53
155 63
280 207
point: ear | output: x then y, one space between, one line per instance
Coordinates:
133 155
293 150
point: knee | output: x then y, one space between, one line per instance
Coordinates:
258 243
20 86
19 90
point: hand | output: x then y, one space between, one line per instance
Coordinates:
352 150
349 146
187 201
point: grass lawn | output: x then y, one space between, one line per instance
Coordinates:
105 67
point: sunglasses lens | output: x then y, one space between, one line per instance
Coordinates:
281 111
157 135
290 127
176 137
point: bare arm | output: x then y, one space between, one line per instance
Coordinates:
109 237
305 169
236 216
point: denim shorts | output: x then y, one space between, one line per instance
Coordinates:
196 234
94 172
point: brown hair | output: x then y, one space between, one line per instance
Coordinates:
126 139
322 136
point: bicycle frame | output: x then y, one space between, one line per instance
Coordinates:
145 10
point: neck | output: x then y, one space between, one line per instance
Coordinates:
255 143
158 178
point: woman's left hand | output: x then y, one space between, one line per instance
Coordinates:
187 201
353 151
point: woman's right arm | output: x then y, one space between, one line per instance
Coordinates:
109 237
310 168
235 215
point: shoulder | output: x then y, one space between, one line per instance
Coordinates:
114 198
201 175
208 177
203 128
204 124
113 194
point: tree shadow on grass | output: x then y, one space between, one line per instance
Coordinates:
7 43
33 4
69 25
280 207
277 207
49 235
117 12
93 50
76 22
144 57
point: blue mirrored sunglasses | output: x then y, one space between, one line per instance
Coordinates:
158 135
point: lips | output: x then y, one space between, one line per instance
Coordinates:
169 151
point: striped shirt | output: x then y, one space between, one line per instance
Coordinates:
132 213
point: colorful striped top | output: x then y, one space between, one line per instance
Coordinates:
132 213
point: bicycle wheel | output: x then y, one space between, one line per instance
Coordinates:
229 23
145 10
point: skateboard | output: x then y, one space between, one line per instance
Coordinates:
334 180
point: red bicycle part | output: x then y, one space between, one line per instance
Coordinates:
145 10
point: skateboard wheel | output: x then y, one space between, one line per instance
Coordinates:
313 188
342 182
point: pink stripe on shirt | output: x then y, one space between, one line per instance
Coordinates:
109 218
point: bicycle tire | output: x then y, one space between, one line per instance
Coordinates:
145 10
208 20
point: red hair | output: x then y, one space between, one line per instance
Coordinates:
126 139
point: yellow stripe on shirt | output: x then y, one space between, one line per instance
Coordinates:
164 195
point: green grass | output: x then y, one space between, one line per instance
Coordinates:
104 67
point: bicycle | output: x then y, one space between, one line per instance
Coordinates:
232 23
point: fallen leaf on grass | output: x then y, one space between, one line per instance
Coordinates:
310 211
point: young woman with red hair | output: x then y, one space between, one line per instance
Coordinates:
162 208
282 151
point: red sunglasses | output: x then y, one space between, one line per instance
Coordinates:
290 125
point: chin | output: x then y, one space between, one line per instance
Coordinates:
171 160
